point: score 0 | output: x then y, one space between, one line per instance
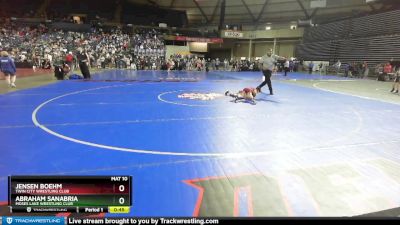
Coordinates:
121 200
120 188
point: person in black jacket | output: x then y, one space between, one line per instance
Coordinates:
83 60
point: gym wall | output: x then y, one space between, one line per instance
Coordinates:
260 42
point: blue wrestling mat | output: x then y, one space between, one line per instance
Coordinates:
300 152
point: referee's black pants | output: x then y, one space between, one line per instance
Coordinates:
267 75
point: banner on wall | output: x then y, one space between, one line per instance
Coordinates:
199 39
198 47
233 34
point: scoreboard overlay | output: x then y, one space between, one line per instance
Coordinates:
78 194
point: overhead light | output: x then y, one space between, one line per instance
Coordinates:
267 28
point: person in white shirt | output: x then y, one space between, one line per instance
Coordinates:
286 67
226 64
337 66
396 83
127 62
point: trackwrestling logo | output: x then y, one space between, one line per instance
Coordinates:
24 220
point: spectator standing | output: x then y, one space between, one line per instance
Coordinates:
310 67
69 60
286 67
337 66
386 70
396 83
7 66
320 68
379 72
291 65
226 65
83 60
346 69
365 69
217 62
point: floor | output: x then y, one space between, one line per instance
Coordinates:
312 149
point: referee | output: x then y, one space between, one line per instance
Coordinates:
83 60
268 63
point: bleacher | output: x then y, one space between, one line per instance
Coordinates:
330 31
373 25
373 50
374 39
